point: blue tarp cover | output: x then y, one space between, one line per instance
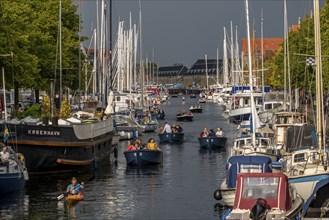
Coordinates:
236 162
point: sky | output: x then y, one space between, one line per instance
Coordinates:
182 31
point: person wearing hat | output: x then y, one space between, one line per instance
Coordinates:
75 188
219 132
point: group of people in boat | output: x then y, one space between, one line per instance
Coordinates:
138 145
184 113
196 106
170 129
211 133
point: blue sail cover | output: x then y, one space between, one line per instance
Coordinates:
246 164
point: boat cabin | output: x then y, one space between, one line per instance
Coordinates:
246 142
246 164
272 105
243 100
272 187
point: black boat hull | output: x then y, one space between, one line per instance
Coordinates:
171 138
197 110
11 182
184 118
212 142
49 149
142 158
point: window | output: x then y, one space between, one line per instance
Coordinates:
260 187
299 157
268 106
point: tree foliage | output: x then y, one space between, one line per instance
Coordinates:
301 44
29 29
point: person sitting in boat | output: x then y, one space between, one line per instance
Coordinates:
4 154
219 132
161 129
190 113
179 129
204 133
211 133
167 128
173 129
75 188
179 113
132 146
151 145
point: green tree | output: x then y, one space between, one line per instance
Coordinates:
29 29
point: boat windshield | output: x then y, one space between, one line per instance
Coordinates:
255 187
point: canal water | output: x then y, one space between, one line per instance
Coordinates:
181 189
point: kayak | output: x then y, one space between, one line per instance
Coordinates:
74 198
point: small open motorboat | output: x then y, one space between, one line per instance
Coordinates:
203 100
13 173
174 96
72 199
193 96
151 126
170 138
264 196
143 157
196 109
212 143
184 117
236 165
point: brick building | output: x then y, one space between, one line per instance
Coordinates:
271 46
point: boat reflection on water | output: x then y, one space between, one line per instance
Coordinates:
13 203
150 170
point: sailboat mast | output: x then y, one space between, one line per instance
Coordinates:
141 72
285 53
217 67
225 75
4 93
250 74
237 62
206 59
60 53
262 48
318 78
232 56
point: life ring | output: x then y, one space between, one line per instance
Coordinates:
21 109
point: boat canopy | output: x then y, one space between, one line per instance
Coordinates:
272 187
246 164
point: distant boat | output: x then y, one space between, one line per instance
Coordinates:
193 96
13 173
174 96
143 157
212 142
196 109
203 100
184 117
171 138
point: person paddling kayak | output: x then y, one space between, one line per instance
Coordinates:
75 188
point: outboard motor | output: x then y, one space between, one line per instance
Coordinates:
258 211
